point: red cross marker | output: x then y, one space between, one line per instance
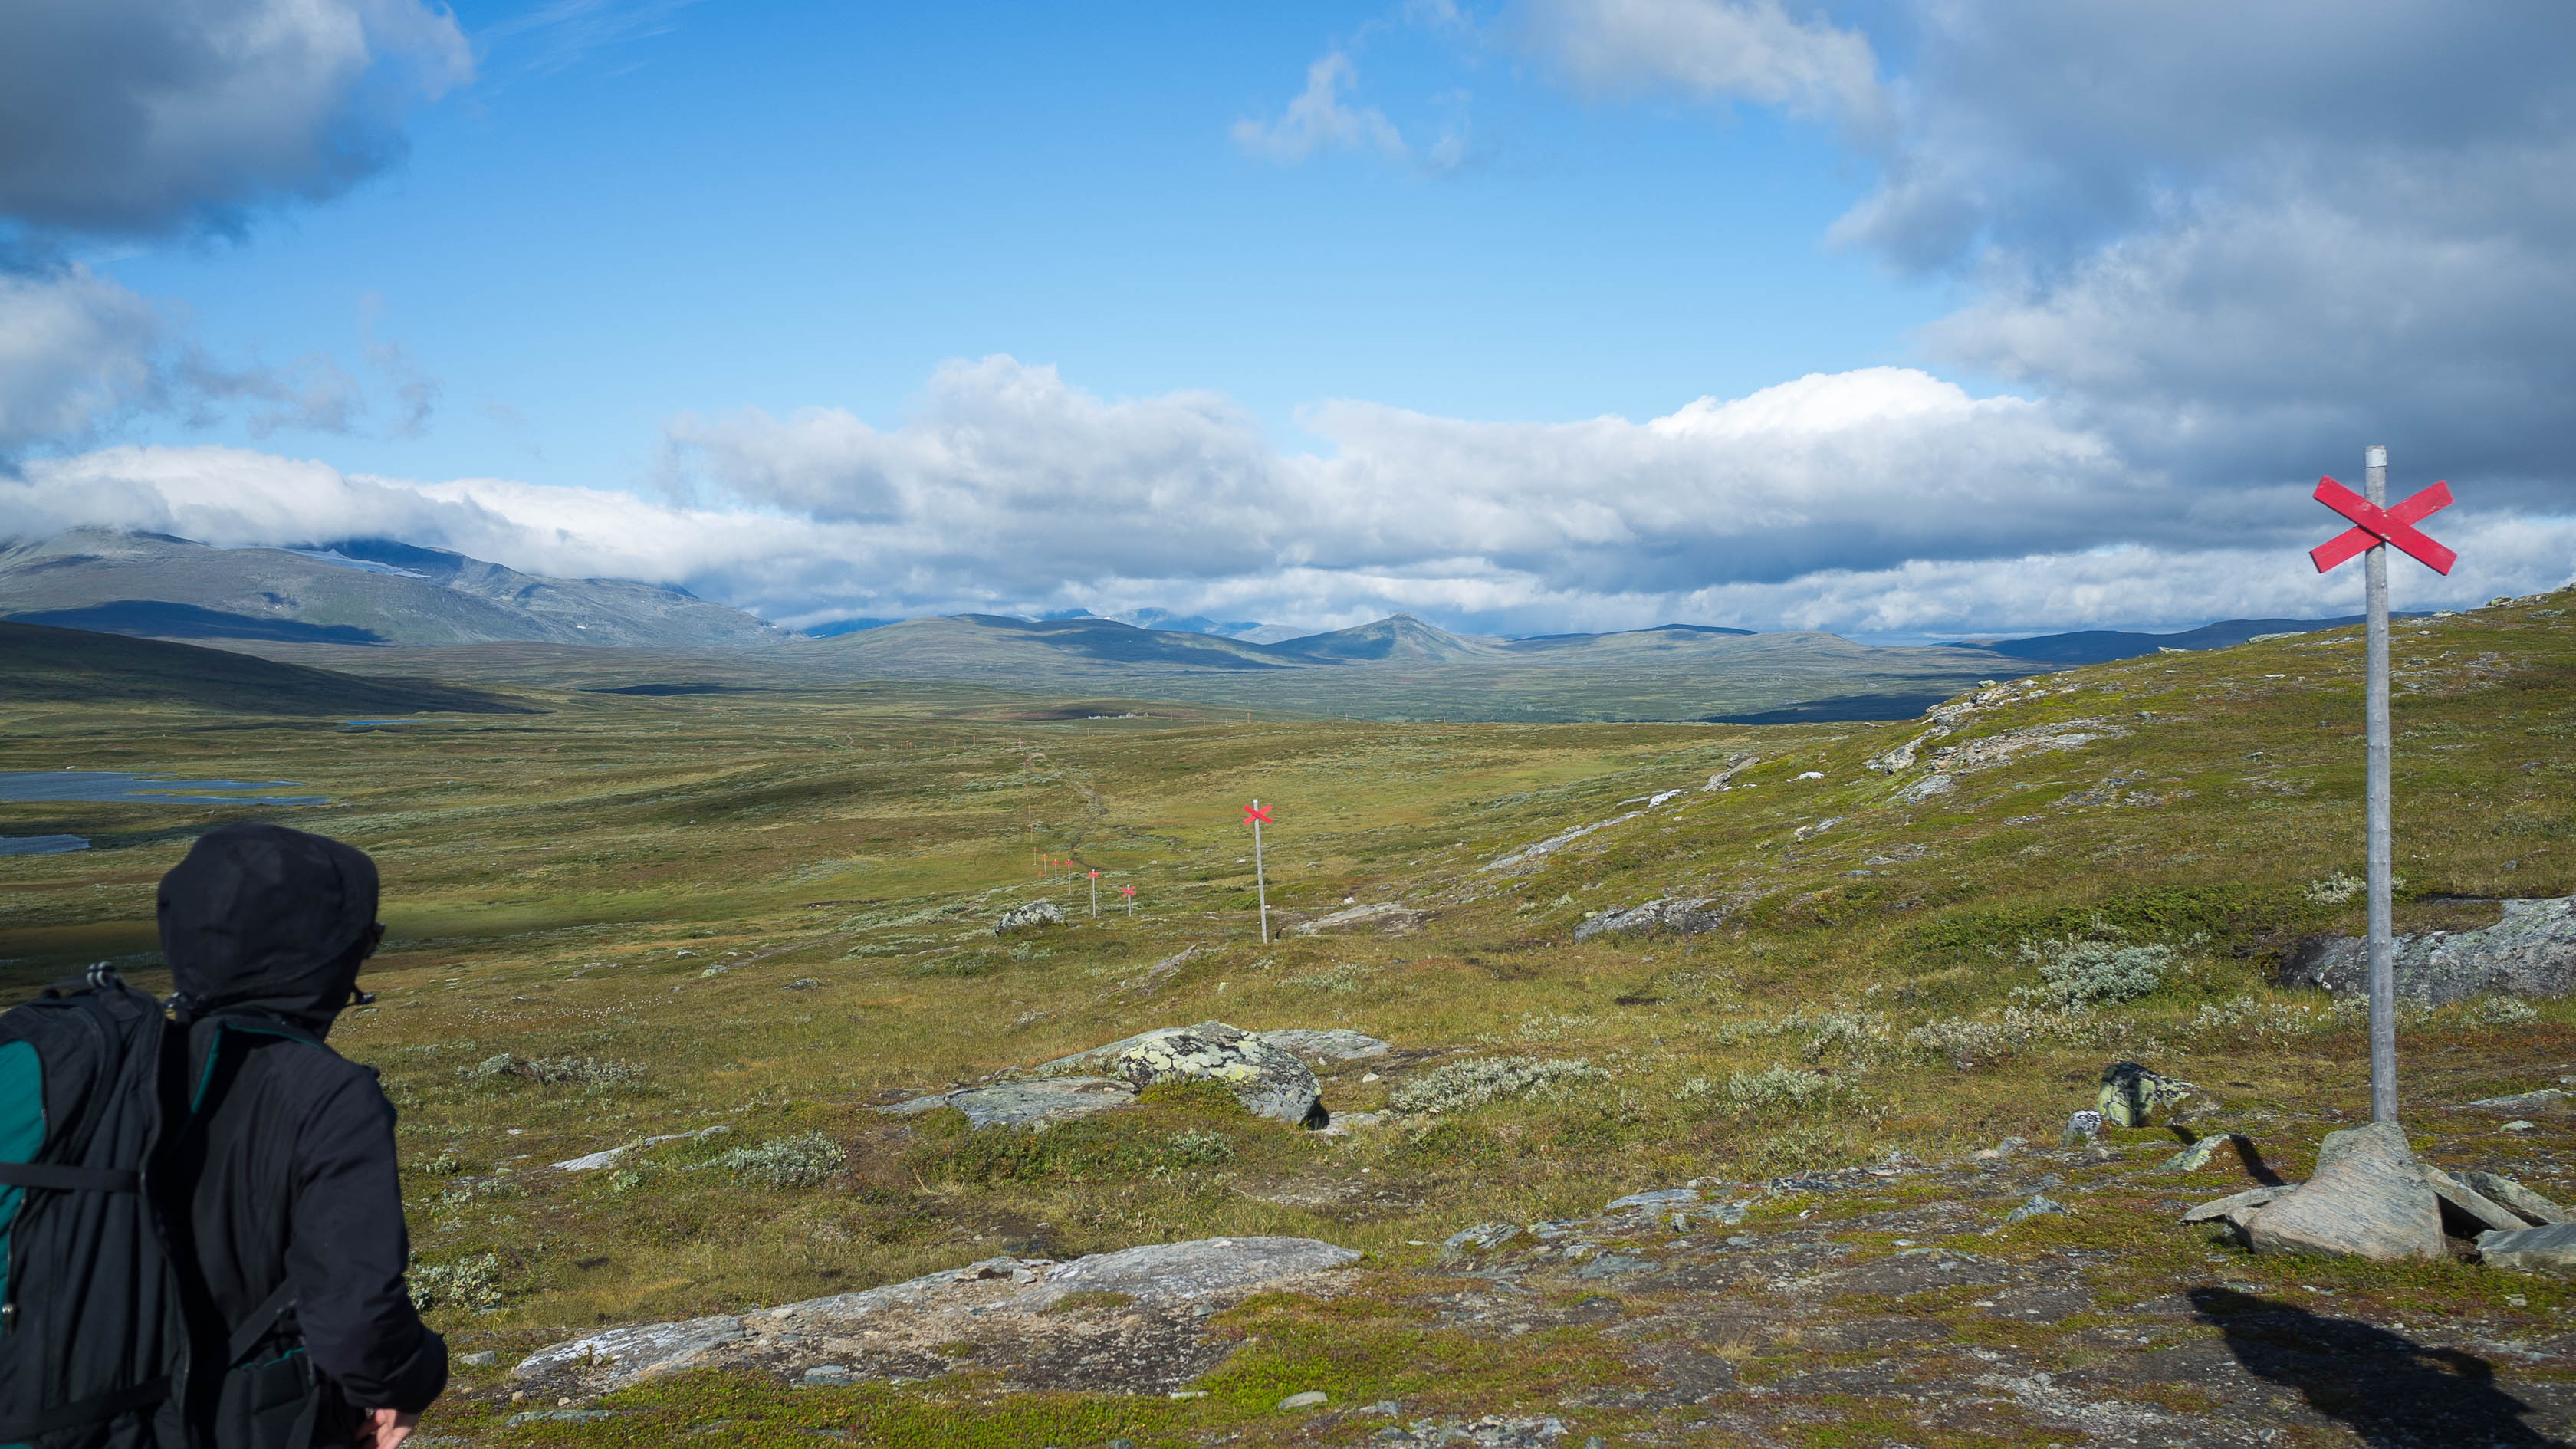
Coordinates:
1255 812
2374 525
1126 890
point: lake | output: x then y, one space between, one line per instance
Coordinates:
117 787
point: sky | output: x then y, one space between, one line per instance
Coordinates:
1906 319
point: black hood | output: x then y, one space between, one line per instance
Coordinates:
264 916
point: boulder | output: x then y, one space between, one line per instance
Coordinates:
2367 1199
1025 1104
1266 1078
1029 917
2131 1094
2081 1127
2526 1249
1332 1044
2473 1207
2530 952
2234 1203
2531 1205
1682 916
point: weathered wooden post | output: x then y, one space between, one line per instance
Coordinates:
1254 815
2375 526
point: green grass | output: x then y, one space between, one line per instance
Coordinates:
772 913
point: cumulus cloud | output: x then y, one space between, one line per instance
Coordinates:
75 350
141 116
1882 501
1317 120
1714 50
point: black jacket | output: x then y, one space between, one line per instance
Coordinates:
286 1164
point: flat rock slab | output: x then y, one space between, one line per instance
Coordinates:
1025 1104
2530 952
2367 1199
1325 1045
2525 1249
1386 916
1000 1306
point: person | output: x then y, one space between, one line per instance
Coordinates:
280 1180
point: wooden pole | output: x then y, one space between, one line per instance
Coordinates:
2383 943
1260 888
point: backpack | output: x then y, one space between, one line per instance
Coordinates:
95 1338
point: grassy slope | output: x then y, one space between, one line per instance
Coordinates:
562 886
76 666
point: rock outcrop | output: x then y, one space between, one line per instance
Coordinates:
1267 1080
1683 916
1025 1104
2530 952
892 1329
1029 917
1333 1044
1387 917
2367 1199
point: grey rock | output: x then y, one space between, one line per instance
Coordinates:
1530 857
2198 1154
1029 917
2037 1206
2233 1203
2522 1101
1657 1200
637 1352
2470 1202
1268 1082
2530 952
1612 1265
2519 1125
1025 1104
1390 917
2367 1199
2083 1126
1480 1238
2531 1205
1311 1398
1679 915
557 1416
479 1358
2131 1094
1327 1045
1181 1272
2525 1249
609 1158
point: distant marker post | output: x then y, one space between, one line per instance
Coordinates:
2375 527
1253 815
1130 893
1095 893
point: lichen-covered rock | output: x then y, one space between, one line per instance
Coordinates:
2530 952
2131 1094
2081 1127
2367 1199
1025 1104
1333 1044
1029 917
1682 916
1267 1080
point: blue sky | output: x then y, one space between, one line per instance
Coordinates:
1895 318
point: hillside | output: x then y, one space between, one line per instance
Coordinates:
2101 646
1836 1023
41 664
361 592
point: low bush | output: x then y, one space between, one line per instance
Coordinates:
1469 1084
782 1162
472 1282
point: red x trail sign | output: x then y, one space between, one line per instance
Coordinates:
2373 525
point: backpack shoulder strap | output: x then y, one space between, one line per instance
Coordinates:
247 1334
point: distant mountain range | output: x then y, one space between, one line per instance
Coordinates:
355 591
347 602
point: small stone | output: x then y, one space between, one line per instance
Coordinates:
1029 917
2367 1199
2198 1155
1481 1237
479 1358
1306 1400
2519 1126
2037 1206
2083 1126
2523 1101
2525 1249
2131 1094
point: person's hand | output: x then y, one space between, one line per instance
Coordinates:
387 1428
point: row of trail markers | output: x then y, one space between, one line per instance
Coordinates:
2375 527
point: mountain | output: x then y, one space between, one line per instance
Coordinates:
974 646
2101 646
41 664
1400 637
356 591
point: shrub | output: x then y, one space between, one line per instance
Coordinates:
2338 888
1464 1085
473 1283
554 1071
1773 1089
1198 1149
783 1162
2086 971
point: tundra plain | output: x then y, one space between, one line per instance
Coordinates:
625 916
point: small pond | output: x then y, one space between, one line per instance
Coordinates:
117 787
40 844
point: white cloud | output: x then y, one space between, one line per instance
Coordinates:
1882 501
75 350
148 115
1317 120
1715 50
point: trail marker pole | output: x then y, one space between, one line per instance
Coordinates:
2375 527
1130 893
1095 893
1253 814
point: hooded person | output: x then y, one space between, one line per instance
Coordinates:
287 1207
